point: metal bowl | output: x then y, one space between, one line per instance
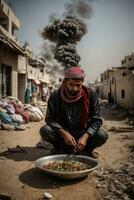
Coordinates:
90 162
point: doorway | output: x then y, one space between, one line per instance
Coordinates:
5 74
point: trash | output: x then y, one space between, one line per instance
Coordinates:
47 195
8 127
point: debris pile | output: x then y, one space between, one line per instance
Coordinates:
116 184
14 115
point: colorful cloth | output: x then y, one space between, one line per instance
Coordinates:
27 95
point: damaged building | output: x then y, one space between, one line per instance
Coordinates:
117 84
9 51
17 65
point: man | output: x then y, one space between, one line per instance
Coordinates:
73 117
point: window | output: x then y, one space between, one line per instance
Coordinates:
124 74
123 94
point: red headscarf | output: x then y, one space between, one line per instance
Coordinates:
75 73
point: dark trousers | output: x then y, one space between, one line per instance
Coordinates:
49 135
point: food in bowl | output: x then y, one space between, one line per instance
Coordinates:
66 166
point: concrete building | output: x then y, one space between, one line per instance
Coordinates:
9 51
117 84
17 65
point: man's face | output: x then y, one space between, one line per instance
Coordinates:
74 86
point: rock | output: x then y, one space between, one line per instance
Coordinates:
126 198
130 188
112 188
117 171
107 197
98 186
47 195
104 186
118 192
81 190
118 184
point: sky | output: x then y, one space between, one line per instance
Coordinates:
110 34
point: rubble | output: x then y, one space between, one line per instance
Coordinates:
116 184
47 195
121 129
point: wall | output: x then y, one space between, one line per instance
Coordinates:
125 83
104 89
22 64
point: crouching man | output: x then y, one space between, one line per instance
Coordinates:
73 117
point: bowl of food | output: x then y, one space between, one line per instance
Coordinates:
77 166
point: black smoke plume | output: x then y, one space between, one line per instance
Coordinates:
66 33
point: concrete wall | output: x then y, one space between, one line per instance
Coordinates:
22 64
9 14
120 85
125 83
104 89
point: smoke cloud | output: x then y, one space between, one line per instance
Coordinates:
63 34
77 8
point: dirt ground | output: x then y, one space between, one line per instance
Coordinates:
22 181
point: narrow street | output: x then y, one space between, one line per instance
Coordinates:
22 181
70 46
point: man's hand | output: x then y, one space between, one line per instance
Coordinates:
68 138
81 142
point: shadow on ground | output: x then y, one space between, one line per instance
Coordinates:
27 153
38 179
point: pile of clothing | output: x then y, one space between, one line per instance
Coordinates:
14 115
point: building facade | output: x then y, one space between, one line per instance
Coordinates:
9 51
17 65
117 84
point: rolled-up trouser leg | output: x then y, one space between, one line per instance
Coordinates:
99 138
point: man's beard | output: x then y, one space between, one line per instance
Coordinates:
72 93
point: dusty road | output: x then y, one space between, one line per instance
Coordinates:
22 181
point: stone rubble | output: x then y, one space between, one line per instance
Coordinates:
116 184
